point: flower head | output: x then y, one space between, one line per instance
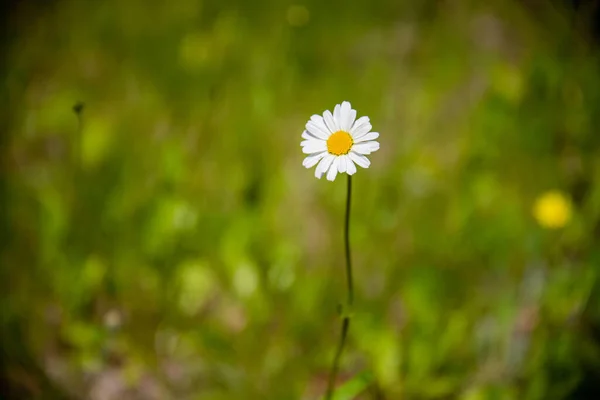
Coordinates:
552 210
338 141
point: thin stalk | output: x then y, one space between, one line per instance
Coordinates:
77 142
347 244
346 316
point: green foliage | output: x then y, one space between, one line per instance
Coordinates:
169 244
353 387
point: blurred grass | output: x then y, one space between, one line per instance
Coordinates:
172 245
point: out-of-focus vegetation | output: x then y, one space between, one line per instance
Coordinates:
165 242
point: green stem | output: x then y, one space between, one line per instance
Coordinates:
346 316
347 244
77 154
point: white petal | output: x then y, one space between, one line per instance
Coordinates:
347 116
367 137
324 165
316 127
337 115
311 140
331 125
350 167
318 119
313 146
333 170
342 163
306 135
361 160
366 147
361 127
313 159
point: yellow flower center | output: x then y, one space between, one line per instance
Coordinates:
339 143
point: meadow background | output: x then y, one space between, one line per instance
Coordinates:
163 241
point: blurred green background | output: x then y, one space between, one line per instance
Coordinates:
165 242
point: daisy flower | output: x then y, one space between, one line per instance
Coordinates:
338 141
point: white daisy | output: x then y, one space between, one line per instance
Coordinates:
336 142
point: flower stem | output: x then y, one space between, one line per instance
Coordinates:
345 313
347 244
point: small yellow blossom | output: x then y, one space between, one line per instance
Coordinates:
552 209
